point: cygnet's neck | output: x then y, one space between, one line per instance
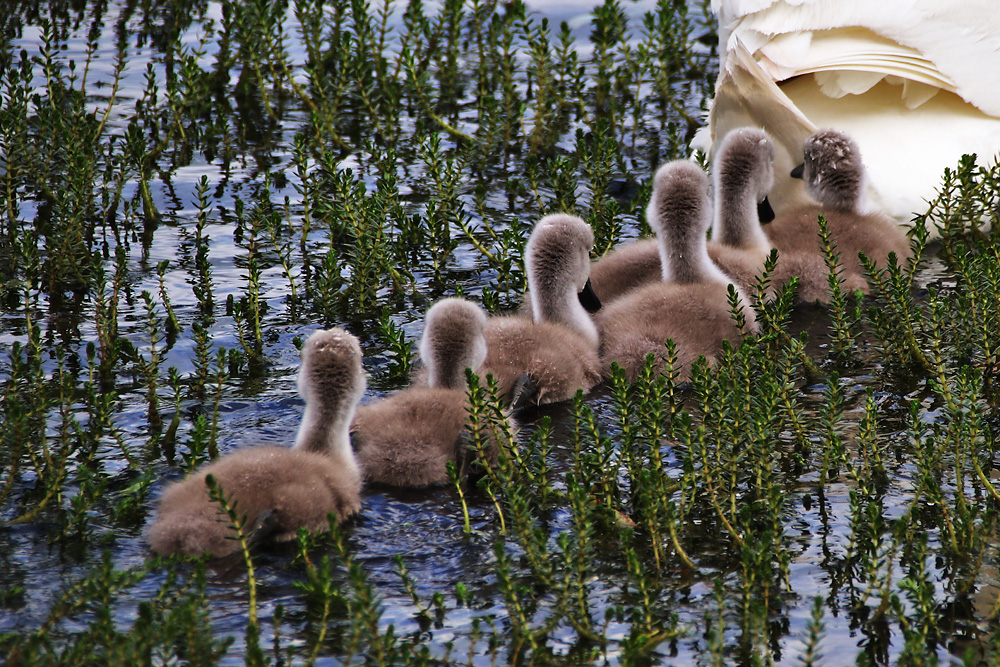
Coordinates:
446 367
687 262
561 304
684 256
444 378
326 428
736 222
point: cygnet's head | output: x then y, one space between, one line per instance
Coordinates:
453 341
331 378
832 170
557 259
744 174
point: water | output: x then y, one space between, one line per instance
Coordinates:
261 406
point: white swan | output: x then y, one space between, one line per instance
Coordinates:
915 82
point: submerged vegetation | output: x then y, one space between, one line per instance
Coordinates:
188 187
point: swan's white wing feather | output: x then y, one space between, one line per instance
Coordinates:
915 82
853 49
960 39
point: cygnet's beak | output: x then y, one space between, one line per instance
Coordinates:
798 171
764 211
588 298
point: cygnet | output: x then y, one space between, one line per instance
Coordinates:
834 176
408 438
278 490
743 176
557 347
690 305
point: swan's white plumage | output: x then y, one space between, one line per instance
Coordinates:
915 82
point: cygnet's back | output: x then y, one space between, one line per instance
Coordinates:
408 438
277 488
626 268
743 176
834 176
690 305
556 348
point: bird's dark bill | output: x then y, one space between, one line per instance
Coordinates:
764 211
588 298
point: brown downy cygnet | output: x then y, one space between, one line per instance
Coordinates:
834 176
278 490
743 175
690 305
556 348
408 438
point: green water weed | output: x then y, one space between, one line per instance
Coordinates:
323 596
228 507
248 311
201 280
843 319
399 346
